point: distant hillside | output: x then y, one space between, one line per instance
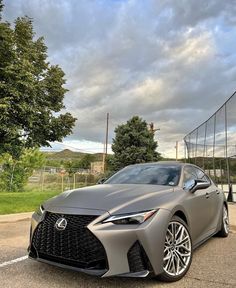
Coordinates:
67 154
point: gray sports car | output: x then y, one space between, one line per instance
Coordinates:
144 220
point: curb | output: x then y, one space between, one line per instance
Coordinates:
11 218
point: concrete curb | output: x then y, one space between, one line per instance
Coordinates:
11 218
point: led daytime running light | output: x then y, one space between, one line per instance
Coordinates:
135 218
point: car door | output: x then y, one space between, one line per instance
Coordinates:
197 204
214 201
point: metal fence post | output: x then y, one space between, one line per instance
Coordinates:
214 145
196 146
43 178
185 152
204 148
226 155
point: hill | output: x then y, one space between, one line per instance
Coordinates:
67 154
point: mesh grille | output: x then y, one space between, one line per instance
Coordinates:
74 246
137 258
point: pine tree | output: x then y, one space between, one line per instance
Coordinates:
133 143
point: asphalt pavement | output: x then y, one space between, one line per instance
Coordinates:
213 265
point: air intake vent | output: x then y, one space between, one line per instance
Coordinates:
137 258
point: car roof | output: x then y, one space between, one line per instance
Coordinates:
167 163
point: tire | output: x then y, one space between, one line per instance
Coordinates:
177 258
224 231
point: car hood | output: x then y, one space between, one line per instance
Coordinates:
111 198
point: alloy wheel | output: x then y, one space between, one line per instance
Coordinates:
178 249
226 220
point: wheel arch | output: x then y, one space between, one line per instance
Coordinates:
181 215
226 205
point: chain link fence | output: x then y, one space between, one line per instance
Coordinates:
58 179
212 146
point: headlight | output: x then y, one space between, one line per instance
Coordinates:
40 210
131 218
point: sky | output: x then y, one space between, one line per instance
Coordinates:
170 62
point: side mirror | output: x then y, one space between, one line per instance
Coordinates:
200 185
194 185
101 181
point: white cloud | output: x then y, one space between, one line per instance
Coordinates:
171 62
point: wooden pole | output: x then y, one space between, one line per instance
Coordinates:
106 143
176 150
62 182
74 182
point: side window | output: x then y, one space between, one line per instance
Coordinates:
189 174
201 175
195 174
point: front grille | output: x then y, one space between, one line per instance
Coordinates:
75 246
137 258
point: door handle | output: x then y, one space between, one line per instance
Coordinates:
207 195
218 192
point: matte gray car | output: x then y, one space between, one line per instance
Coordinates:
145 220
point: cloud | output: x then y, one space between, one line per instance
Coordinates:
171 62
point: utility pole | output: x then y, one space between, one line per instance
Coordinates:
106 144
152 129
176 150
107 133
74 180
103 158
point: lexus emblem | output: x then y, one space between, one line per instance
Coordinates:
61 224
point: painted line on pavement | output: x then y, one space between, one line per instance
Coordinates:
13 261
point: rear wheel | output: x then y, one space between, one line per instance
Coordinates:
224 232
177 251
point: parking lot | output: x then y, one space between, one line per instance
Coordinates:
214 265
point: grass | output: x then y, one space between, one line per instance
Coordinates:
31 198
17 202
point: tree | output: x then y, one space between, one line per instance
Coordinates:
85 161
133 143
31 91
16 172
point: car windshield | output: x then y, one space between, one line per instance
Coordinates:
147 174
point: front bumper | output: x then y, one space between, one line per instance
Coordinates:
131 250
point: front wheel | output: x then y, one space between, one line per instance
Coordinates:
177 251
